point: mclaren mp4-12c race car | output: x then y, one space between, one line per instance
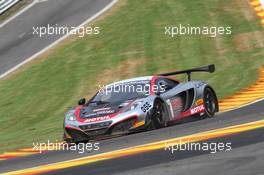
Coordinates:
139 104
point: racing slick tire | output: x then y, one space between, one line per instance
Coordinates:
210 103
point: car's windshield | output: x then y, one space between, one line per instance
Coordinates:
122 92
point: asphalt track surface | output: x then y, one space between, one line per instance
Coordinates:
246 156
17 42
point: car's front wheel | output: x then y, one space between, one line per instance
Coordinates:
156 116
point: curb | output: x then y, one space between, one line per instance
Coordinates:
245 96
259 9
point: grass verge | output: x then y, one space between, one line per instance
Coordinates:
34 99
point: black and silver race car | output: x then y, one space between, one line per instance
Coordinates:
142 103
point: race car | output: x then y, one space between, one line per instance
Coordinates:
139 104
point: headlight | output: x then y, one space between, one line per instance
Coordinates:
70 116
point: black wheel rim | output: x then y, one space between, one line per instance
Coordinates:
159 113
210 102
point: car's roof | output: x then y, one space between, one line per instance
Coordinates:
145 78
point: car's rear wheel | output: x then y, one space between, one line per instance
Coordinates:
156 116
210 103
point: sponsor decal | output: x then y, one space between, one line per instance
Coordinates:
197 109
100 113
199 101
101 109
145 108
136 82
139 124
198 85
97 119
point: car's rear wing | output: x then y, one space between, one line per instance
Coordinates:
209 68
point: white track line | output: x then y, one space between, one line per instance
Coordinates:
18 13
57 41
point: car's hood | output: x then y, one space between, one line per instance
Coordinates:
93 110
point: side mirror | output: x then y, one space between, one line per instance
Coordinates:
82 101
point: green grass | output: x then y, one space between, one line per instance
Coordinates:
33 101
